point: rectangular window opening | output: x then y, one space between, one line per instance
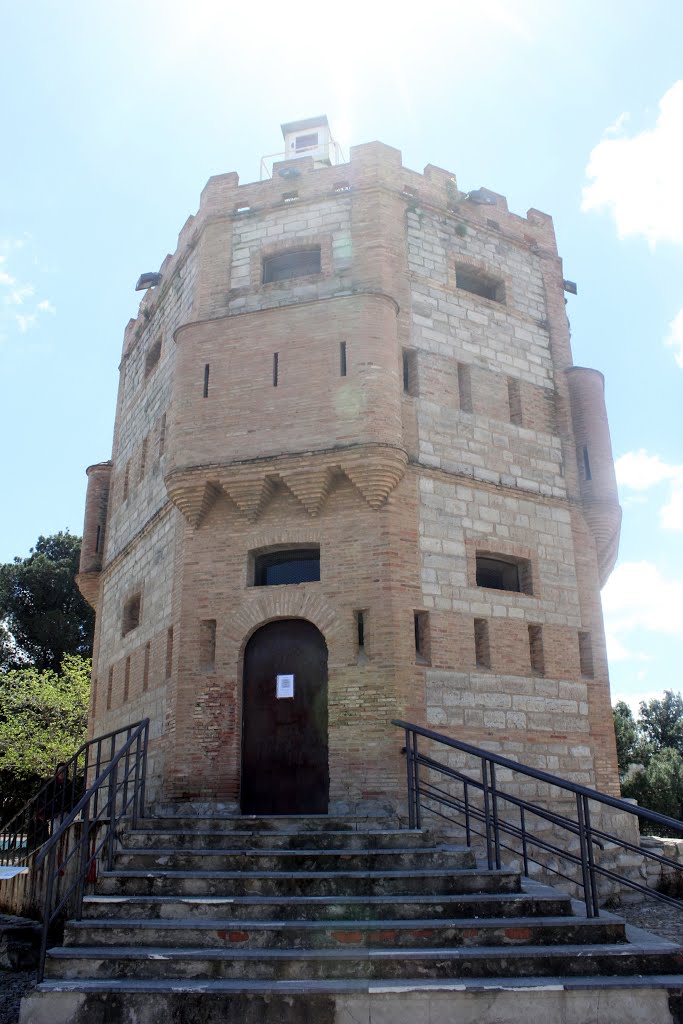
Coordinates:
153 356
276 362
286 265
126 681
342 358
482 649
169 652
145 671
478 282
465 387
586 464
586 655
131 614
410 382
126 481
536 655
207 644
110 686
515 401
205 392
290 197
341 186
302 142
422 639
287 565
503 573
98 539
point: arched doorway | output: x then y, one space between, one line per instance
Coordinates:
284 720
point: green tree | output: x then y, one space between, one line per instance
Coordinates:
43 616
43 718
660 722
626 735
659 786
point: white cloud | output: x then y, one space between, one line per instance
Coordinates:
18 295
6 278
26 321
638 178
674 338
637 596
45 306
640 471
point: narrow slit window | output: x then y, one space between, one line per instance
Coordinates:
162 435
276 367
586 655
98 539
205 391
145 671
126 481
143 460
536 656
342 358
482 648
126 681
410 384
422 639
515 401
110 686
465 387
169 652
586 464
207 644
360 631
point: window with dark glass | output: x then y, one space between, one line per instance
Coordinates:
293 565
291 264
504 573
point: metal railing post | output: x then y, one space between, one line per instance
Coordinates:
409 779
487 811
111 813
416 784
494 808
585 876
591 856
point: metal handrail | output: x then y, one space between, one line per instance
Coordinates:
485 816
30 827
85 835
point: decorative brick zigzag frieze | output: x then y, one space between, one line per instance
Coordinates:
374 470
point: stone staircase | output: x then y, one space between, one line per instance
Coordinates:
291 920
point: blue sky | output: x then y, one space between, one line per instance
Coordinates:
114 117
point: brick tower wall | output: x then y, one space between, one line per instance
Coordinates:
458 429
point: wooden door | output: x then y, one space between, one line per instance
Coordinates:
284 738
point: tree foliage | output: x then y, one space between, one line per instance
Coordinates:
660 722
43 718
650 754
43 616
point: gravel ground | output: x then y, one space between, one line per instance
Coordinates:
13 985
653 917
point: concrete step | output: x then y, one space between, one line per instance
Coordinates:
310 908
215 839
220 933
455 858
162 962
162 882
269 823
502 1000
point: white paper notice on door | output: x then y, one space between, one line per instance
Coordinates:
285 687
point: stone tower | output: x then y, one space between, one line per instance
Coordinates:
355 477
